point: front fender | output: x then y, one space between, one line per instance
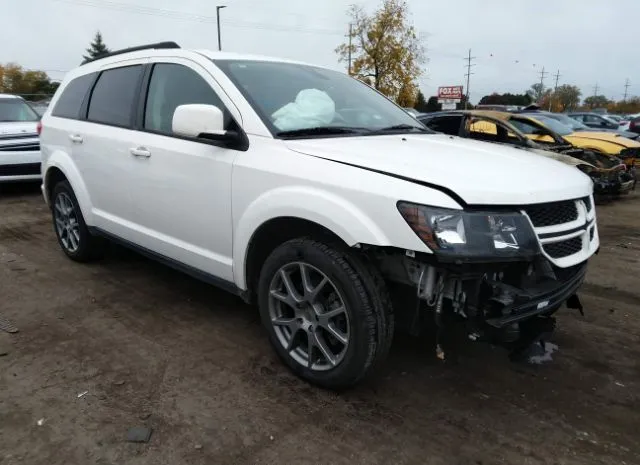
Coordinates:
61 160
335 213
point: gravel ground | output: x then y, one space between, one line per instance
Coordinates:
126 342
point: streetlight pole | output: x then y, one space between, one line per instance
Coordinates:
218 8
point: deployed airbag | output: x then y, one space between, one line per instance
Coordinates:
311 108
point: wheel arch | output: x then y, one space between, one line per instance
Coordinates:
274 219
59 167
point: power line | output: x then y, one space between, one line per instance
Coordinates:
468 76
626 89
555 89
184 16
543 73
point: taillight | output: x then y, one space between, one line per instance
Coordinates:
39 127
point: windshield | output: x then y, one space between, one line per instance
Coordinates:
14 109
292 97
555 126
569 121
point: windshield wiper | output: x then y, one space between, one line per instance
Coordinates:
321 131
399 128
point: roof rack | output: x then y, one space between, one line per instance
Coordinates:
158 45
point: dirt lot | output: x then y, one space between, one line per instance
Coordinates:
152 347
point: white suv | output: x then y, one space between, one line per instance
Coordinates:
307 192
19 145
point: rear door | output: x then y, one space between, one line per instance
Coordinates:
103 143
59 126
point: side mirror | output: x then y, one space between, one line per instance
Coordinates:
203 121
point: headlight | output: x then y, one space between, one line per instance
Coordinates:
471 234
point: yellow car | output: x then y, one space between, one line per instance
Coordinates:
609 177
536 126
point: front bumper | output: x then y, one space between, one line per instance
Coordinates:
19 166
539 301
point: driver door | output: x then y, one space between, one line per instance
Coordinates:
182 191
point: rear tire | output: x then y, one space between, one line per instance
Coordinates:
71 230
324 300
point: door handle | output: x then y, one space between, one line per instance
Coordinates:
141 152
75 138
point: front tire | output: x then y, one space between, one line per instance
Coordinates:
71 230
327 313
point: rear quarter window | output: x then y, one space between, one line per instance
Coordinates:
70 102
114 96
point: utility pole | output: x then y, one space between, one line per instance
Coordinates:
218 8
595 90
350 36
468 76
543 73
555 88
626 90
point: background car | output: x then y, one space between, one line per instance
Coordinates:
19 142
594 120
579 126
634 124
612 146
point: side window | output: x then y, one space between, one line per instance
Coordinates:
482 129
592 119
578 117
113 97
172 85
525 127
445 124
70 102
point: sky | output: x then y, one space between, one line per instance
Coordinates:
590 42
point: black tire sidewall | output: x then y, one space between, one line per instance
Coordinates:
84 250
362 322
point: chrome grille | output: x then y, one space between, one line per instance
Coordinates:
564 248
24 147
549 214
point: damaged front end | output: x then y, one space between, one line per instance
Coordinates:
497 276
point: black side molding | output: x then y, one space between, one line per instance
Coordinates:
176 265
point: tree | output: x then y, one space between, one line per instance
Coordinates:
567 97
96 48
538 93
32 85
506 99
432 104
596 101
385 50
421 102
461 105
630 106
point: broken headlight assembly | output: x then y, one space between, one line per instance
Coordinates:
463 234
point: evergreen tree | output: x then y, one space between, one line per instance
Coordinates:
96 48
421 102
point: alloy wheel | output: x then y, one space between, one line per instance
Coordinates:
309 316
66 221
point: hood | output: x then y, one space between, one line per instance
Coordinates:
611 137
17 128
480 173
566 159
621 131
